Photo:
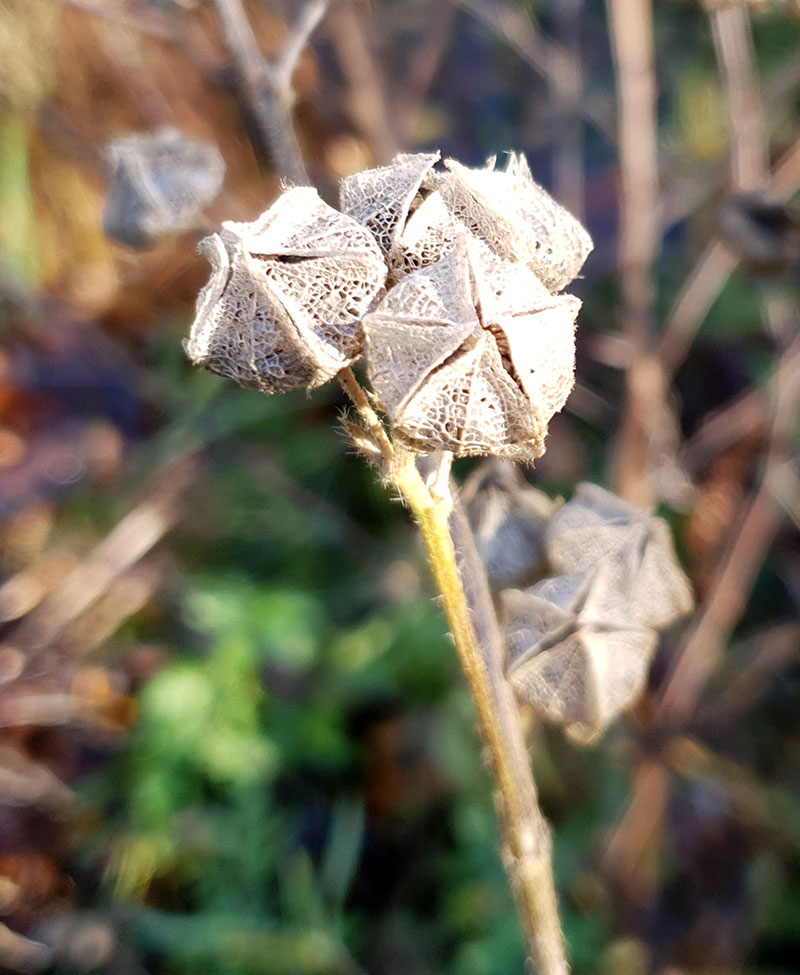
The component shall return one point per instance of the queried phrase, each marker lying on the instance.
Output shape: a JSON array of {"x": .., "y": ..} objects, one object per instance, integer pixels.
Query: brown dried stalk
[{"x": 631, "y": 27}]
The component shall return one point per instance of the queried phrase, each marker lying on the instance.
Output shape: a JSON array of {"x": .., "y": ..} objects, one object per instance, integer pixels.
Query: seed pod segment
[
  {"x": 574, "y": 652},
  {"x": 287, "y": 294},
  {"x": 517, "y": 218},
  {"x": 597, "y": 524},
  {"x": 472, "y": 354},
  {"x": 382, "y": 198}
]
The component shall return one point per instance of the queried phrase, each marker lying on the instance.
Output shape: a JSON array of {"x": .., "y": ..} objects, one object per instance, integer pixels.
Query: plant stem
[{"x": 525, "y": 833}]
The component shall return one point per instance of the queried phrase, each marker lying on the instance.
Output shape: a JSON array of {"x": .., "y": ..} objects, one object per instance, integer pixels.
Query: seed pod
[
  {"x": 597, "y": 524},
  {"x": 574, "y": 652},
  {"x": 472, "y": 355},
  {"x": 508, "y": 519},
  {"x": 159, "y": 184},
  {"x": 287, "y": 295},
  {"x": 381, "y": 199},
  {"x": 518, "y": 219}
]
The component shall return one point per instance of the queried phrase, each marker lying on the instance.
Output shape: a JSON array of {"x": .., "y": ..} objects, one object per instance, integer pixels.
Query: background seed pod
[
  {"x": 472, "y": 355},
  {"x": 575, "y": 654},
  {"x": 159, "y": 183},
  {"x": 287, "y": 295},
  {"x": 579, "y": 643},
  {"x": 508, "y": 519},
  {"x": 597, "y": 524}
]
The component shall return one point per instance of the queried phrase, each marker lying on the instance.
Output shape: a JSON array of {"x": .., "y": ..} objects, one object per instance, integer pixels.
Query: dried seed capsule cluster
[
  {"x": 471, "y": 348},
  {"x": 579, "y": 640}
]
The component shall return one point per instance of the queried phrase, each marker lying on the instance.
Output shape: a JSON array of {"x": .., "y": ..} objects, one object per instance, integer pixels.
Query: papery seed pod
[
  {"x": 428, "y": 235},
  {"x": 382, "y": 198},
  {"x": 472, "y": 355},
  {"x": 287, "y": 295},
  {"x": 597, "y": 524},
  {"x": 159, "y": 184},
  {"x": 518, "y": 219},
  {"x": 508, "y": 519},
  {"x": 574, "y": 652}
]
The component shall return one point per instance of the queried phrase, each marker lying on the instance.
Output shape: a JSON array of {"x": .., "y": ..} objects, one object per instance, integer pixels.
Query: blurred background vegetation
[{"x": 233, "y": 734}]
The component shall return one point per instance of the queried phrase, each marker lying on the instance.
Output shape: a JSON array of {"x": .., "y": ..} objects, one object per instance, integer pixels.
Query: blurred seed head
[
  {"x": 508, "y": 519},
  {"x": 159, "y": 184},
  {"x": 580, "y": 641}
]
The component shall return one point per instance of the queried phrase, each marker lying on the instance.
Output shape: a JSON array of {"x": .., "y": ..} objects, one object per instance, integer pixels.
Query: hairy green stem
[
  {"x": 467, "y": 604},
  {"x": 461, "y": 580}
]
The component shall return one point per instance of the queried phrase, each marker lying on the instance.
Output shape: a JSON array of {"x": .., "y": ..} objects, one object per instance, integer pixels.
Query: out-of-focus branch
[
  {"x": 631, "y": 28},
  {"x": 424, "y": 64},
  {"x": 24, "y": 782},
  {"x": 268, "y": 85},
  {"x": 135, "y": 535},
  {"x": 733, "y": 40},
  {"x": 544, "y": 56},
  {"x": 566, "y": 86},
  {"x": 23, "y": 954},
  {"x": 736, "y": 574},
  {"x": 684, "y": 192},
  {"x": 150, "y": 22},
  {"x": 746, "y": 415},
  {"x": 713, "y": 269},
  {"x": 365, "y": 96},
  {"x": 775, "y": 649}
]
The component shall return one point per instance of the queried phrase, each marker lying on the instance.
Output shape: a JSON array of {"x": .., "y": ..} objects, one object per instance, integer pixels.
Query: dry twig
[
  {"x": 631, "y": 29},
  {"x": 365, "y": 96},
  {"x": 751, "y": 539},
  {"x": 268, "y": 84}
]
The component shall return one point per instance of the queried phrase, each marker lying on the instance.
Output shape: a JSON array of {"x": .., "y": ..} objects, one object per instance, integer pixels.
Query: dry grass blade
[
  {"x": 736, "y": 574},
  {"x": 132, "y": 538}
]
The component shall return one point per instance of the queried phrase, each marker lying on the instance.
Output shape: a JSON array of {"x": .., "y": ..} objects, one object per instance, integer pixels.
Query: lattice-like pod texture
[
  {"x": 574, "y": 652},
  {"x": 597, "y": 524},
  {"x": 472, "y": 355},
  {"x": 381, "y": 199},
  {"x": 518, "y": 219},
  {"x": 508, "y": 519},
  {"x": 287, "y": 295},
  {"x": 428, "y": 235},
  {"x": 159, "y": 183}
]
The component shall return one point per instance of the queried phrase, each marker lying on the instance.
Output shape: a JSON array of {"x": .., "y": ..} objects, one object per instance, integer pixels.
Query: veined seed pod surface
[
  {"x": 517, "y": 218},
  {"x": 575, "y": 654},
  {"x": 287, "y": 295},
  {"x": 472, "y": 354}
]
